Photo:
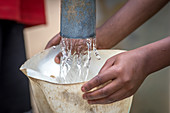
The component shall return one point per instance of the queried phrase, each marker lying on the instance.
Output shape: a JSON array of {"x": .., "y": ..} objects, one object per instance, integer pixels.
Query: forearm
[
  {"x": 126, "y": 20},
  {"x": 156, "y": 55}
]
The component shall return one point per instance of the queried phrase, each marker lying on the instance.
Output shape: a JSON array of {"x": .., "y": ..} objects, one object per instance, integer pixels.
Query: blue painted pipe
[{"x": 78, "y": 19}]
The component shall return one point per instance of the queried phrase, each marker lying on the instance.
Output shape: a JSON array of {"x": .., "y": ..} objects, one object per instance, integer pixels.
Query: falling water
[{"x": 75, "y": 60}]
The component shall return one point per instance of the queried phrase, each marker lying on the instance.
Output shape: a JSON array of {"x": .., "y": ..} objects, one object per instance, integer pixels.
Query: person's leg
[
  {"x": 1, "y": 91},
  {"x": 16, "y": 86}
]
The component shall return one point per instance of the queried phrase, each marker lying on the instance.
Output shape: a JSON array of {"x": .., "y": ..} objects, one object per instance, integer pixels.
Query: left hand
[
  {"x": 126, "y": 71},
  {"x": 78, "y": 45},
  {"x": 53, "y": 42}
]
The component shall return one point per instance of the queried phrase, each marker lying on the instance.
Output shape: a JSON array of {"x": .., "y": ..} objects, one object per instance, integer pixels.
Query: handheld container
[{"x": 54, "y": 97}]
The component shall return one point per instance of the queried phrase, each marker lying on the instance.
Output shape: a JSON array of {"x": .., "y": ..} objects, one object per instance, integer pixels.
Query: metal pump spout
[{"x": 78, "y": 19}]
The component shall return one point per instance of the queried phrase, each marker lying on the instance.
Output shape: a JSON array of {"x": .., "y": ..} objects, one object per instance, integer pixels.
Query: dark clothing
[{"x": 14, "y": 92}]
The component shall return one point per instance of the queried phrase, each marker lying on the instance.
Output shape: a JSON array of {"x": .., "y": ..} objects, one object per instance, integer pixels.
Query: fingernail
[
  {"x": 57, "y": 60},
  {"x": 84, "y": 97},
  {"x": 83, "y": 89}
]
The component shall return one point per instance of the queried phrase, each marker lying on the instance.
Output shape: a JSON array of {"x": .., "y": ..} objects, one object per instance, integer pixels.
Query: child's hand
[
  {"x": 53, "y": 42},
  {"x": 126, "y": 71}
]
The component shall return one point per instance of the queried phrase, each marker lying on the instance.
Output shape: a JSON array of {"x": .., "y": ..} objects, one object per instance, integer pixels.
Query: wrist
[
  {"x": 142, "y": 56},
  {"x": 156, "y": 55},
  {"x": 103, "y": 38},
  {"x": 99, "y": 37}
]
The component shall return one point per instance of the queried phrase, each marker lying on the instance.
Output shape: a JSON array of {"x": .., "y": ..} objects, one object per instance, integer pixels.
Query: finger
[
  {"x": 103, "y": 92},
  {"x": 54, "y": 41},
  {"x": 99, "y": 79},
  {"x": 107, "y": 64},
  {"x": 117, "y": 96},
  {"x": 57, "y": 58}
]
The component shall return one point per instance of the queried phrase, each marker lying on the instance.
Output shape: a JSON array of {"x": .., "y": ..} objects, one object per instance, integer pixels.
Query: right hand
[{"x": 125, "y": 71}]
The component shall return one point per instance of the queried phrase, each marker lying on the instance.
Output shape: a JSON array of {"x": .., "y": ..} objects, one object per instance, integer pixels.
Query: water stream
[{"x": 75, "y": 60}]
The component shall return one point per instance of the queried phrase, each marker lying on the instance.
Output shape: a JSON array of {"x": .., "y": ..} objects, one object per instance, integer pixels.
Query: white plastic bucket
[{"x": 51, "y": 97}]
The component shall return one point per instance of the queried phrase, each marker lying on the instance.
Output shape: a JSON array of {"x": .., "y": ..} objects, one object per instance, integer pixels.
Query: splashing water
[{"x": 75, "y": 60}]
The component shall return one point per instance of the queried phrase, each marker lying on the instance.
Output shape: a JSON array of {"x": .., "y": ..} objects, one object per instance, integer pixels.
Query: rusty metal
[{"x": 78, "y": 18}]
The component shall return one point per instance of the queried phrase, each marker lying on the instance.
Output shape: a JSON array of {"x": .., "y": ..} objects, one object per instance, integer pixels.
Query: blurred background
[{"x": 153, "y": 95}]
